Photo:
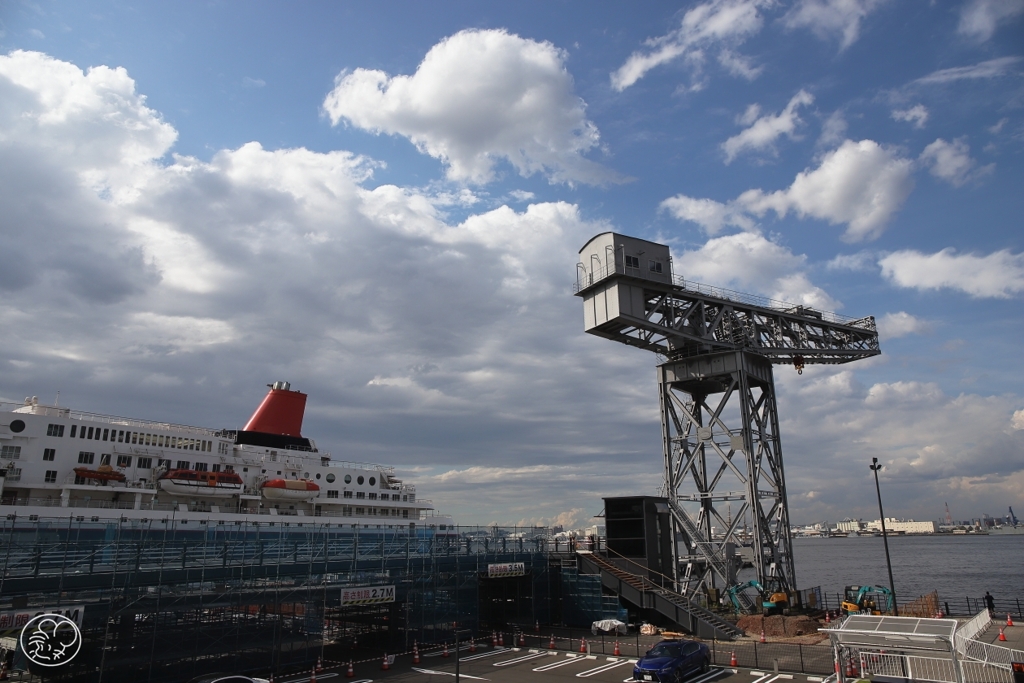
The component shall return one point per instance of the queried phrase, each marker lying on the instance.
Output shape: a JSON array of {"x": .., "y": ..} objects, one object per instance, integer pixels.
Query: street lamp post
[{"x": 885, "y": 536}]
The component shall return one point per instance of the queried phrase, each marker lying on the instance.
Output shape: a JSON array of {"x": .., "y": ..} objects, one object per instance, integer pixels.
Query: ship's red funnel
[{"x": 280, "y": 413}]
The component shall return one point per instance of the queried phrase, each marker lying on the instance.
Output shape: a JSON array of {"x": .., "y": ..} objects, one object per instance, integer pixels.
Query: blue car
[{"x": 671, "y": 661}]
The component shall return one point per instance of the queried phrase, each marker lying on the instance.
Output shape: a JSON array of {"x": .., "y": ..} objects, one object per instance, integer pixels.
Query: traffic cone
[
  {"x": 3, "y": 675},
  {"x": 1009, "y": 620},
  {"x": 444, "y": 652},
  {"x": 312, "y": 675},
  {"x": 827, "y": 617},
  {"x": 617, "y": 652},
  {"x": 583, "y": 645},
  {"x": 415, "y": 652},
  {"x": 732, "y": 659},
  {"x": 551, "y": 643},
  {"x": 494, "y": 639},
  {"x": 1002, "y": 636},
  {"x": 536, "y": 626},
  {"x": 762, "y": 637},
  {"x": 319, "y": 664},
  {"x": 849, "y": 666},
  {"x": 472, "y": 644},
  {"x": 501, "y": 640},
  {"x": 522, "y": 639},
  {"x": 351, "y": 672},
  {"x": 3, "y": 671}
]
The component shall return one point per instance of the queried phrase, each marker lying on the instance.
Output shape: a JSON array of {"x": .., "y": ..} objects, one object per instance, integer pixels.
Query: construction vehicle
[
  {"x": 867, "y": 600},
  {"x": 771, "y": 602}
]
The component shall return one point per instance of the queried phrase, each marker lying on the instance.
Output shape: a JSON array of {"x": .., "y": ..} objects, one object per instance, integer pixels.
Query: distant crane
[
  {"x": 719, "y": 418},
  {"x": 949, "y": 517}
]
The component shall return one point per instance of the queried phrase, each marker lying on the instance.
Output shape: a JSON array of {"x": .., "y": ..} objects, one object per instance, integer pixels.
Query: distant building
[
  {"x": 906, "y": 526},
  {"x": 851, "y": 525}
]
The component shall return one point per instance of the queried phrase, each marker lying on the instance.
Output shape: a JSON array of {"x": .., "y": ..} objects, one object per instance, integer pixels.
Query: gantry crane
[{"x": 719, "y": 416}]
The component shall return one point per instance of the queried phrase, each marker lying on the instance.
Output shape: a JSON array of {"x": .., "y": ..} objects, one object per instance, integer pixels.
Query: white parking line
[
  {"x": 446, "y": 673},
  {"x": 715, "y": 673},
  {"x": 319, "y": 677},
  {"x": 604, "y": 667},
  {"x": 571, "y": 658},
  {"x": 516, "y": 660},
  {"x": 499, "y": 651}
]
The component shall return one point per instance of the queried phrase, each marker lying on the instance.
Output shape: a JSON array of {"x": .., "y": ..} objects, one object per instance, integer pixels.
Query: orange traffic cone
[
  {"x": 522, "y": 639},
  {"x": 551, "y": 643},
  {"x": 501, "y": 640},
  {"x": 1009, "y": 620},
  {"x": 762, "y": 637},
  {"x": 583, "y": 645},
  {"x": 617, "y": 652},
  {"x": 319, "y": 664},
  {"x": 312, "y": 675},
  {"x": 828, "y": 617},
  {"x": 1002, "y": 636},
  {"x": 384, "y": 665},
  {"x": 351, "y": 672},
  {"x": 494, "y": 639},
  {"x": 732, "y": 659},
  {"x": 849, "y": 667},
  {"x": 415, "y": 652},
  {"x": 472, "y": 644},
  {"x": 4, "y": 668},
  {"x": 444, "y": 652},
  {"x": 536, "y": 626}
]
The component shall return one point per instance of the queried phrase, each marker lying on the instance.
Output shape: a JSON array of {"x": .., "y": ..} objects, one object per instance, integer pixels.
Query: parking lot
[{"x": 511, "y": 665}]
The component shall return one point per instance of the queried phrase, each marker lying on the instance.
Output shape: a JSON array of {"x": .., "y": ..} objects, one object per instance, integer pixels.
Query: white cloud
[
  {"x": 860, "y": 184},
  {"x": 861, "y": 261},
  {"x": 712, "y": 216},
  {"x": 1017, "y": 420},
  {"x": 952, "y": 162},
  {"x": 479, "y": 96},
  {"x": 980, "y": 18},
  {"x": 250, "y": 82},
  {"x": 747, "y": 261},
  {"x": 764, "y": 131},
  {"x": 894, "y": 325},
  {"x": 723, "y": 23},
  {"x": 996, "y": 275},
  {"x": 739, "y": 65},
  {"x": 917, "y": 115},
  {"x": 833, "y": 131},
  {"x": 827, "y": 18},
  {"x": 993, "y": 68}
]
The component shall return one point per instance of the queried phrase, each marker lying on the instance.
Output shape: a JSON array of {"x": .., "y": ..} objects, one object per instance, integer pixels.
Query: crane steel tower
[{"x": 719, "y": 417}]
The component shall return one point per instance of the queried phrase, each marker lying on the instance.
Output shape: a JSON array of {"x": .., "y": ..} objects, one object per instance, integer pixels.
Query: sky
[{"x": 383, "y": 203}]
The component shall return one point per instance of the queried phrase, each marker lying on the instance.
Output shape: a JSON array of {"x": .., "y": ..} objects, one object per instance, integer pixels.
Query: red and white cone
[
  {"x": 319, "y": 664},
  {"x": 732, "y": 659},
  {"x": 501, "y": 640},
  {"x": 1002, "y": 636},
  {"x": 312, "y": 675},
  {"x": 849, "y": 667},
  {"x": 444, "y": 652},
  {"x": 494, "y": 639},
  {"x": 1009, "y": 619},
  {"x": 617, "y": 652},
  {"x": 536, "y": 626},
  {"x": 522, "y": 639},
  {"x": 762, "y": 637},
  {"x": 415, "y": 652},
  {"x": 583, "y": 645},
  {"x": 384, "y": 664},
  {"x": 551, "y": 643},
  {"x": 472, "y": 644},
  {"x": 828, "y": 618},
  {"x": 351, "y": 672},
  {"x": 4, "y": 668}
]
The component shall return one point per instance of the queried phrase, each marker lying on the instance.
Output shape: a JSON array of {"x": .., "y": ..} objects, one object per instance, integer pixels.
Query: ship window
[
  {"x": 51, "y": 477},
  {"x": 348, "y": 494},
  {"x": 348, "y": 478},
  {"x": 373, "y": 496},
  {"x": 79, "y": 481},
  {"x": 279, "y": 473},
  {"x": 135, "y": 437},
  {"x": 359, "y": 511},
  {"x": 124, "y": 461},
  {"x": 86, "y": 458},
  {"x": 359, "y": 480},
  {"x": 360, "y": 494},
  {"x": 230, "y": 468},
  {"x": 74, "y": 428},
  {"x": 90, "y": 433},
  {"x": 332, "y": 494},
  {"x": 412, "y": 498},
  {"x": 216, "y": 467},
  {"x": 405, "y": 514},
  {"x": 106, "y": 432},
  {"x": 55, "y": 430},
  {"x": 104, "y": 458},
  {"x": 202, "y": 466},
  {"x": 182, "y": 465},
  {"x": 404, "y": 498},
  {"x": 17, "y": 426},
  {"x": 223, "y": 448},
  {"x": 120, "y": 436},
  {"x": 144, "y": 463},
  {"x": 346, "y": 511},
  {"x": 49, "y": 453},
  {"x": 373, "y": 481},
  {"x": 11, "y": 452},
  {"x": 317, "y": 475},
  {"x": 330, "y": 478}
]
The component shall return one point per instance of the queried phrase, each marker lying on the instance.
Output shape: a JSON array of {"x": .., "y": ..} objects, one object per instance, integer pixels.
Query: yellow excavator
[
  {"x": 867, "y": 600},
  {"x": 771, "y": 603}
]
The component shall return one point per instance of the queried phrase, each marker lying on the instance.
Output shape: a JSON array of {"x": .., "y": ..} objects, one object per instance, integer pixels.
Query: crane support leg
[{"x": 720, "y": 433}]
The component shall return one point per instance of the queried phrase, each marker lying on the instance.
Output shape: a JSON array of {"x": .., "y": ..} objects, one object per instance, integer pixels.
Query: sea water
[{"x": 958, "y": 567}]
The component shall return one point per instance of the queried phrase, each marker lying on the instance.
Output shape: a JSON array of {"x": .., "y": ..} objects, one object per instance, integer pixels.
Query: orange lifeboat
[
  {"x": 104, "y": 473},
  {"x": 290, "y": 489}
]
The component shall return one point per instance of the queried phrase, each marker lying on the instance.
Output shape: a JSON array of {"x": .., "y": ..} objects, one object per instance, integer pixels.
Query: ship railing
[{"x": 56, "y": 411}]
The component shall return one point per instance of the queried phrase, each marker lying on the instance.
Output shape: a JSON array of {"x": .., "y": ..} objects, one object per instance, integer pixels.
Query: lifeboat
[
  {"x": 290, "y": 489},
  {"x": 205, "y": 484},
  {"x": 104, "y": 473}
]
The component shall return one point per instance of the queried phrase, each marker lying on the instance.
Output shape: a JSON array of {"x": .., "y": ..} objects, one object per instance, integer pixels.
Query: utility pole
[{"x": 885, "y": 536}]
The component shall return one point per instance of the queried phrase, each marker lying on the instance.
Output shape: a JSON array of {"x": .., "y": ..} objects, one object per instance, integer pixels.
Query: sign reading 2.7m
[
  {"x": 367, "y": 595},
  {"x": 506, "y": 569}
]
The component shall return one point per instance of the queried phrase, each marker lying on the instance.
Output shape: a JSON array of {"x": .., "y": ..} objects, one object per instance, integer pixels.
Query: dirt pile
[{"x": 777, "y": 627}]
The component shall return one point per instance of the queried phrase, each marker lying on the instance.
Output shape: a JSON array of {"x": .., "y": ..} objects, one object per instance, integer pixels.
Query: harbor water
[{"x": 957, "y": 567}]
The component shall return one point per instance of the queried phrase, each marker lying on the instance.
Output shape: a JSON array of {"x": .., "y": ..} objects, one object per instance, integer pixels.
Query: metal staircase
[{"x": 643, "y": 592}]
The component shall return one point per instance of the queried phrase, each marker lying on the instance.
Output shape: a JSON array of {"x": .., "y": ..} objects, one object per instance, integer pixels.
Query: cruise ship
[{"x": 60, "y": 462}]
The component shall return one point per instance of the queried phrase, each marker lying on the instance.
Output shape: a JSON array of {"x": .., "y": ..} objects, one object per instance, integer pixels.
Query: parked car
[{"x": 671, "y": 661}]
